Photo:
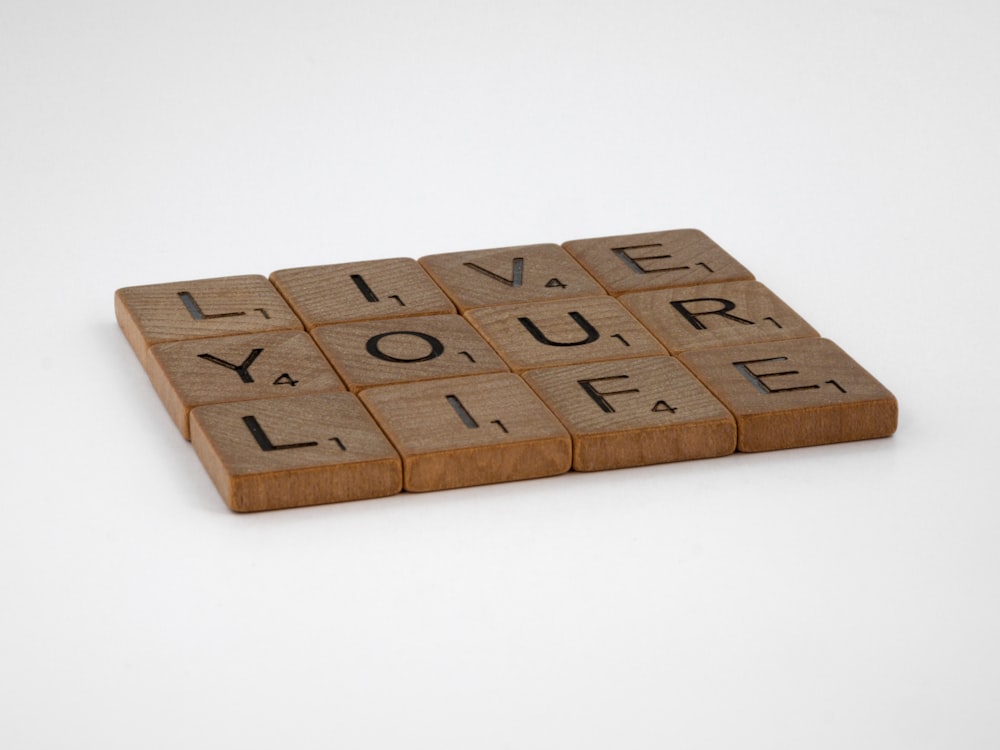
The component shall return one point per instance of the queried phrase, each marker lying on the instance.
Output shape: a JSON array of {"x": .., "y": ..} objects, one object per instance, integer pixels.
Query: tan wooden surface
[
  {"x": 478, "y": 278},
  {"x": 366, "y": 290},
  {"x": 461, "y": 432},
  {"x": 187, "y": 374},
  {"x": 656, "y": 260},
  {"x": 790, "y": 394},
  {"x": 547, "y": 334},
  {"x": 400, "y": 350},
  {"x": 308, "y": 450},
  {"x": 711, "y": 315}
]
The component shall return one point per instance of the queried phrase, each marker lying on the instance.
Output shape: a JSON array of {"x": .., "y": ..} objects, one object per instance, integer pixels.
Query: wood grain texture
[
  {"x": 478, "y": 278},
  {"x": 712, "y": 315},
  {"x": 549, "y": 334},
  {"x": 157, "y": 313},
  {"x": 187, "y": 374},
  {"x": 656, "y": 260},
  {"x": 290, "y": 452},
  {"x": 635, "y": 412},
  {"x": 365, "y": 290},
  {"x": 461, "y": 432},
  {"x": 400, "y": 350},
  {"x": 791, "y": 394}
]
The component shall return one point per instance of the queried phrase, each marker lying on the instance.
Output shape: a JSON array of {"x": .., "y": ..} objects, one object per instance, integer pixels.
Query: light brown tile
[
  {"x": 193, "y": 373},
  {"x": 711, "y": 315},
  {"x": 460, "y": 432},
  {"x": 790, "y": 394},
  {"x": 656, "y": 260},
  {"x": 289, "y": 452},
  {"x": 505, "y": 275},
  {"x": 365, "y": 290},
  {"x": 635, "y": 412},
  {"x": 548, "y": 334}
]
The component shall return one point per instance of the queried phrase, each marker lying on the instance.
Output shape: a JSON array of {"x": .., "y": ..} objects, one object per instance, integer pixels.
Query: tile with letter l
[
  {"x": 635, "y": 412},
  {"x": 157, "y": 313},
  {"x": 363, "y": 290},
  {"x": 460, "y": 432},
  {"x": 193, "y": 373},
  {"x": 296, "y": 451},
  {"x": 791, "y": 394},
  {"x": 563, "y": 332},
  {"x": 400, "y": 350},
  {"x": 656, "y": 260},
  {"x": 505, "y": 275},
  {"x": 710, "y": 315}
]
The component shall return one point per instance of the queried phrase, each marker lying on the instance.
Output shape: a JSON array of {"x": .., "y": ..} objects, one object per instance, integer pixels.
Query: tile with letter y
[
  {"x": 791, "y": 394},
  {"x": 460, "y": 432},
  {"x": 193, "y": 373},
  {"x": 296, "y": 451},
  {"x": 635, "y": 412}
]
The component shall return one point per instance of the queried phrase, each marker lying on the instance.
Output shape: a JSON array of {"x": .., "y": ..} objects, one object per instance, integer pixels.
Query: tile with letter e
[
  {"x": 461, "y": 432},
  {"x": 364, "y": 290},
  {"x": 157, "y": 313},
  {"x": 711, "y": 315},
  {"x": 400, "y": 350},
  {"x": 563, "y": 332},
  {"x": 656, "y": 260},
  {"x": 193, "y": 373},
  {"x": 290, "y": 452},
  {"x": 790, "y": 394},
  {"x": 505, "y": 275},
  {"x": 635, "y": 412}
]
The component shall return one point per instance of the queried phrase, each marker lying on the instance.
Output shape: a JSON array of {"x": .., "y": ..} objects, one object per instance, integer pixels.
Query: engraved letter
[
  {"x": 541, "y": 338},
  {"x": 598, "y": 396},
  {"x": 516, "y": 272},
  {"x": 243, "y": 370},
  {"x": 635, "y": 265},
  {"x": 757, "y": 378},
  {"x": 692, "y": 317},
  {"x": 437, "y": 348}
]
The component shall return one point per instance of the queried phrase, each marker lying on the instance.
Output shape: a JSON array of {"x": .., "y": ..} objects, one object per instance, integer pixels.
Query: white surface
[{"x": 834, "y": 597}]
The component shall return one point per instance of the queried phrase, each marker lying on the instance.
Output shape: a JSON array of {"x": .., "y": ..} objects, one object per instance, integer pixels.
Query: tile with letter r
[
  {"x": 289, "y": 452},
  {"x": 193, "y": 373},
  {"x": 505, "y": 275},
  {"x": 656, "y": 260},
  {"x": 460, "y": 432},
  {"x": 363, "y": 290},
  {"x": 563, "y": 332},
  {"x": 399, "y": 350},
  {"x": 157, "y": 313},
  {"x": 635, "y": 412},
  {"x": 711, "y": 315},
  {"x": 791, "y": 394}
]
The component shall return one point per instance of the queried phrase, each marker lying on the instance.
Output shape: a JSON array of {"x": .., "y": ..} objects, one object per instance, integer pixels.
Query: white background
[{"x": 834, "y": 597}]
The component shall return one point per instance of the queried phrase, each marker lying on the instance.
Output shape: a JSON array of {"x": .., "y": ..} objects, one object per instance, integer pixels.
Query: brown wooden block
[
  {"x": 656, "y": 260},
  {"x": 711, "y": 315},
  {"x": 401, "y": 350},
  {"x": 548, "y": 334},
  {"x": 157, "y": 313},
  {"x": 289, "y": 452},
  {"x": 790, "y": 394},
  {"x": 505, "y": 275},
  {"x": 635, "y": 412},
  {"x": 187, "y": 374},
  {"x": 460, "y": 432},
  {"x": 365, "y": 290}
]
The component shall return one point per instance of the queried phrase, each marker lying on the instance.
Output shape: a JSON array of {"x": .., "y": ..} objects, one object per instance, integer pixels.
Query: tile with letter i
[{"x": 290, "y": 452}]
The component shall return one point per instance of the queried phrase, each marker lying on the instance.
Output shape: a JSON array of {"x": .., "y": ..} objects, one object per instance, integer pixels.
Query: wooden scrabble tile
[
  {"x": 656, "y": 260},
  {"x": 790, "y": 394},
  {"x": 634, "y": 412},
  {"x": 193, "y": 373},
  {"x": 365, "y": 290},
  {"x": 711, "y": 315},
  {"x": 289, "y": 452},
  {"x": 460, "y": 432},
  {"x": 505, "y": 275},
  {"x": 400, "y": 350},
  {"x": 561, "y": 332},
  {"x": 157, "y": 313}
]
